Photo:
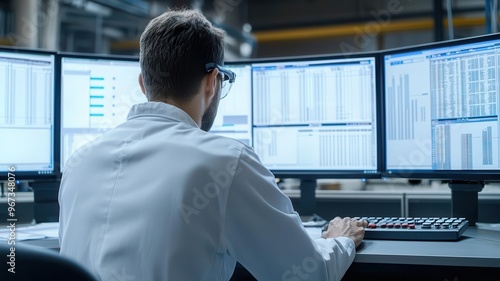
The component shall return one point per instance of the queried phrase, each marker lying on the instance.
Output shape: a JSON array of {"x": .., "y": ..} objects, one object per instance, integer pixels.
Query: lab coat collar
[{"x": 160, "y": 109}]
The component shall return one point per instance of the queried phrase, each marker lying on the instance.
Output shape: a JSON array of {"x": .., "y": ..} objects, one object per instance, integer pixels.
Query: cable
[
  {"x": 487, "y": 10},
  {"x": 494, "y": 17},
  {"x": 450, "y": 19}
]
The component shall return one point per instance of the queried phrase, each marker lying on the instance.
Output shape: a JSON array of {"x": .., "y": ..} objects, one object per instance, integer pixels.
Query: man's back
[
  {"x": 147, "y": 200},
  {"x": 160, "y": 199}
]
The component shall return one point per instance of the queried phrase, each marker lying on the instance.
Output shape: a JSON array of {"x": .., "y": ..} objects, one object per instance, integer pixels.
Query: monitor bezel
[
  {"x": 333, "y": 173},
  {"x": 467, "y": 175},
  {"x": 35, "y": 175}
]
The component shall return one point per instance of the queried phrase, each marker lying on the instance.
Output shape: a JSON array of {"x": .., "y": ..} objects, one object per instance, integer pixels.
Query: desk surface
[{"x": 479, "y": 246}]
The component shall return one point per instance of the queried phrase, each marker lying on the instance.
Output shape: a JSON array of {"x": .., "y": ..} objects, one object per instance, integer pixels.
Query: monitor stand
[
  {"x": 46, "y": 204},
  {"x": 307, "y": 202},
  {"x": 464, "y": 199}
]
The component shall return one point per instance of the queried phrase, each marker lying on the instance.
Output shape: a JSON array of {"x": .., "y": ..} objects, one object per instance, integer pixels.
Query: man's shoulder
[
  {"x": 219, "y": 146},
  {"x": 218, "y": 142}
]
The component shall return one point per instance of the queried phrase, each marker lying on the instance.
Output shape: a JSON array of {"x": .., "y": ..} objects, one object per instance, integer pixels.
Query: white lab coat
[{"x": 159, "y": 199}]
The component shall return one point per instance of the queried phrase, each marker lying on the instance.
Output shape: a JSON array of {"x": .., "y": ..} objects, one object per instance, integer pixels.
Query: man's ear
[
  {"x": 141, "y": 83},
  {"x": 211, "y": 84}
]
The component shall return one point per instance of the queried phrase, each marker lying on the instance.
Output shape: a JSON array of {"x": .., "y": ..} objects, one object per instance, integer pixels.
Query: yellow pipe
[
  {"x": 358, "y": 28},
  {"x": 335, "y": 30},
  {"x": 130, "y": 44},
  {"x": 5, "y": 42}
]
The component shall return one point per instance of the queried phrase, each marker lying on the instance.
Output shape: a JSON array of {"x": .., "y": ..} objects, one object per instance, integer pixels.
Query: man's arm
[{"x": 266, "y": 235}]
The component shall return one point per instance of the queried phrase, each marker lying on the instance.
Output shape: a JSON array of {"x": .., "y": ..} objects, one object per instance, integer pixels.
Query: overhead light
[
  {"x": 247, "y": 27},
  {"x": 246, "y": 49}
]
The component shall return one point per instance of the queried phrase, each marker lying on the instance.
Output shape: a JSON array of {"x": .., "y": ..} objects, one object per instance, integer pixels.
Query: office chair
[{"x": 37, "y": 263}]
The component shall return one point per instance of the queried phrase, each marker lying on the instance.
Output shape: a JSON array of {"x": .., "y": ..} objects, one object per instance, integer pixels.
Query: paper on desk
[
  {"x": 37, "y": 231},
  {"x": 48, "y": 229},
  {"x": 19, "y": 236}
]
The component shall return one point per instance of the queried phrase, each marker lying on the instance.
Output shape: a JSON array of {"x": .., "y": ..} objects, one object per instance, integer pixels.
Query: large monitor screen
[
  {"x": 234, "y": 116},
  {"x": 96, "y": 96},
  {"x": 441, "y": 109},
  {"x": 27, "y": 113},
  {"x": 317, "y": 117}
]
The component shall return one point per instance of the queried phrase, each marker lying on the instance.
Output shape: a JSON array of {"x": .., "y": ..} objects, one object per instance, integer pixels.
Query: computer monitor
[
  {"x": 97, "y": 93},
  {"x": 234, "y": 116},
  {"x": 441, "y": 116},
  {"x": 442, "y": 102},
  {"x": 27, "y": 133},
  {"x": 317, "y": 117}
]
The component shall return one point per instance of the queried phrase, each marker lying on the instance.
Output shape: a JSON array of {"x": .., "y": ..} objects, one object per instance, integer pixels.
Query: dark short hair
[{"x": 175, "y": 47}]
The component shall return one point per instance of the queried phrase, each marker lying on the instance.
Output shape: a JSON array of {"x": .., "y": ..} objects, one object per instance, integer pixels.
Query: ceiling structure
[{"x": 259, "y": 28}]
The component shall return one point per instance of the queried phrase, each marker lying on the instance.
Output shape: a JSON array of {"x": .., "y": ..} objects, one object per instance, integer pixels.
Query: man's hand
[{"x": 346, "y": 227}]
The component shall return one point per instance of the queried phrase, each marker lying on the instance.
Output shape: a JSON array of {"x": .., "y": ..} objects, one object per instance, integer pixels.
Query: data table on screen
[
  {"x": 316, "y": 115},
  {"x": 27, "y": 111},
  {"x": 442, "y": 107}
]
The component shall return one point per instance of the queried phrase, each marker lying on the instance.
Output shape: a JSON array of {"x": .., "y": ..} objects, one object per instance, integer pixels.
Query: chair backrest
[{"x": 28, "y": 262}]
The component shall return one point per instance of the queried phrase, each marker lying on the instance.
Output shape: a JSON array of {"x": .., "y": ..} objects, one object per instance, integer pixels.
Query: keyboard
[{"x": 407, "y": 228}]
